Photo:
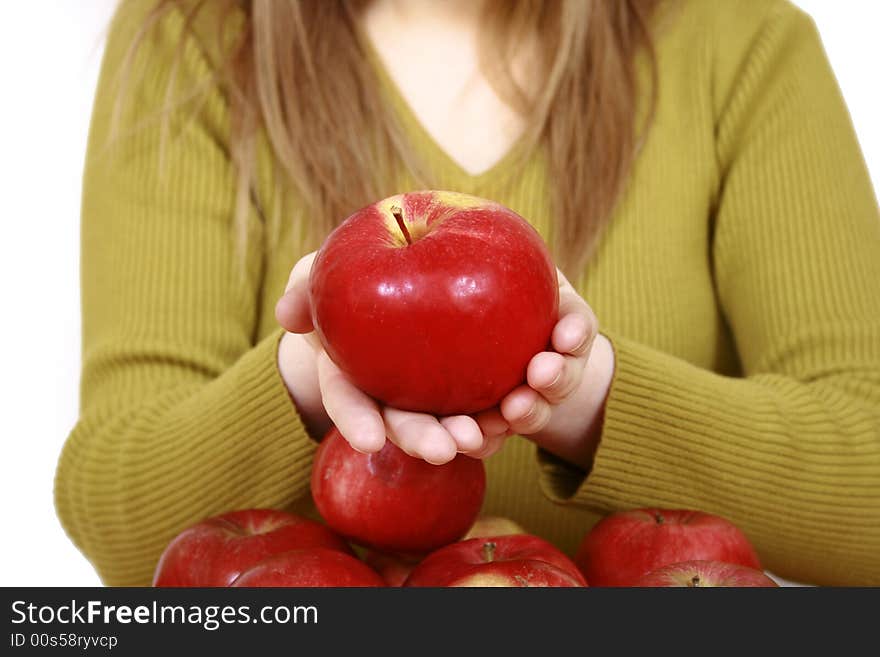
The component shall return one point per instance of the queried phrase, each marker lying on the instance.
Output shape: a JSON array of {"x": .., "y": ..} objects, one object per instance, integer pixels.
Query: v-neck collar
[{"x": 446, "y": 167}]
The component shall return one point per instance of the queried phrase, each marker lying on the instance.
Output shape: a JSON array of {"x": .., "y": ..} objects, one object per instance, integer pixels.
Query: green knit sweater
[{"x": 739, "y": 284}]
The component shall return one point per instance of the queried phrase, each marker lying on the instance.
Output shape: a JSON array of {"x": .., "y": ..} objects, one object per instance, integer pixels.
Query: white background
[{"x": 49, "y": 57}]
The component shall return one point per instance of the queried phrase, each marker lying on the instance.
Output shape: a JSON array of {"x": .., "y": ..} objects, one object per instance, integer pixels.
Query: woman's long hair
[{"x": 299, "y": 70}]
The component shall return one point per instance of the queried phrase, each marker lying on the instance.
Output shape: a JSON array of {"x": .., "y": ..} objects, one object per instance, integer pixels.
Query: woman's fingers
[
  {"x": 300, "y": 273},
  {"x": 577, "y": 325},
  {"x": 365, "y": 426},
  {"x": 355, "y": 414},
  {"x": 420, "y": 435},
  {"x": 574, "y": 333},
  {"x": 525, "y": 410},
  {"x": 292, "y": 310},
  {"x": 492, "y": 423},
  {"x": 490, "y": 445},
  {"x": 464, "y": 431},
  {"x": 555, "y": 376},
  {"x": 479, "y": 436}
]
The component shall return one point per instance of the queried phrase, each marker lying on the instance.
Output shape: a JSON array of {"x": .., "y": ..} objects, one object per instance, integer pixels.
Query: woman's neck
[{"x": 430, "y": 50}]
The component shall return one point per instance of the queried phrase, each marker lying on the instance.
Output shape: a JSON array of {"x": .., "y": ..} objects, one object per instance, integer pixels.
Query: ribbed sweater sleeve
[
  {"x": 183, "y": 412},
  {"x": 790, "y": 451}
]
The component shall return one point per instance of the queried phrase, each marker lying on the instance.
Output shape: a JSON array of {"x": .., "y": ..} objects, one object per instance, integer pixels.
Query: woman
[{"x": 692, "y": 165}]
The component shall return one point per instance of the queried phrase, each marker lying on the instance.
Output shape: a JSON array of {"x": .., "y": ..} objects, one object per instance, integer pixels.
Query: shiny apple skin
[
  {"x": 513, "y": 560},
  {"x": 529, "y": 573},
  {"x": 695, "y": 574},
  {"x": 393, "y": 502},
  {"x": 215, "y": 551},
  {"x": 622, "y": 547},
  {"x": 444, "y": 325},
  {"x": 316, "y": 567}
]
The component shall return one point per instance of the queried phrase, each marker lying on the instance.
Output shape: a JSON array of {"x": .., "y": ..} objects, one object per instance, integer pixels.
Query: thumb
[{"x": 293, "y": 310}]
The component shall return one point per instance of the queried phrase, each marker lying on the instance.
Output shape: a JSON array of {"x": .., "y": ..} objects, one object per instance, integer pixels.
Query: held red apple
[
  {"x": 315, "y": 567},
  {"x": 215, "y": 551},
  {"x": 393, "y": 502},
  {"x": 434, "y": 301},
  {"x": 705, "y": 574},
  {"x": 622, "y": 547},
  {"x": 503, "y": 561}
]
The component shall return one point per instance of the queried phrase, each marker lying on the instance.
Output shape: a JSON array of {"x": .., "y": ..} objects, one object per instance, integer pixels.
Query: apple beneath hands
[
  {"x": 393, "y": 502},
  {"x": 696, "y": 574},
  {"x": 625, "y": 545},
  {"x": 434, "y": 301},
  {"x": 520, "y": 560},
  {"x": 395, "y": 569},
  {"x": 216, "y": 550},
  {"x": 315, "y": 567}
]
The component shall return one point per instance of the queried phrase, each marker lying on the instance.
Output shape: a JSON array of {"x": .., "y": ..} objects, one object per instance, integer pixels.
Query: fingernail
[{"x": 582, "y": 346}]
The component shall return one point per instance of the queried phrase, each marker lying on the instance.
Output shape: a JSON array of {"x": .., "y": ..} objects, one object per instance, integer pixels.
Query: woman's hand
[
  {"x": 560, "y": 407},
  {"x": 546, "y": 407}
]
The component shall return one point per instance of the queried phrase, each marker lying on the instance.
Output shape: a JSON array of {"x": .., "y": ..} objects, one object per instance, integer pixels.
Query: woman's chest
[{"x": 651, "y": 278}]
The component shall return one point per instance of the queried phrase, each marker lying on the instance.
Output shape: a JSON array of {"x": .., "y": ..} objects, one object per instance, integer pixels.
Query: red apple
[
  {"x": 215, "y": 551},
  {"x": 315, "y": 567},
  {"x": 505, "y": 561},
  {"x": 488, "y": 526},
  {"x": 622, "y": 547},
  {"x": 393, "y": 502},
  {"x": 392, "y": 568},
  {"x": 434, "y": 301},
  {"x": 705, "y": 573}
]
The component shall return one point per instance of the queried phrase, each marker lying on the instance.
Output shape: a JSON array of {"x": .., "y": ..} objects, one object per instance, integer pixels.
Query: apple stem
[
  {"x": 695, "y": 581},
  {"x": 658, "y": 518},
  {"x": 398, "y": 216},
  {"x": 488, "y": 551}
]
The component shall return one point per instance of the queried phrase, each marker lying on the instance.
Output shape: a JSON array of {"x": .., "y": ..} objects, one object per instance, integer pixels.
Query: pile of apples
[
  {"x": 394, "y": 520},
  {"x": 435, "y": 302}
]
